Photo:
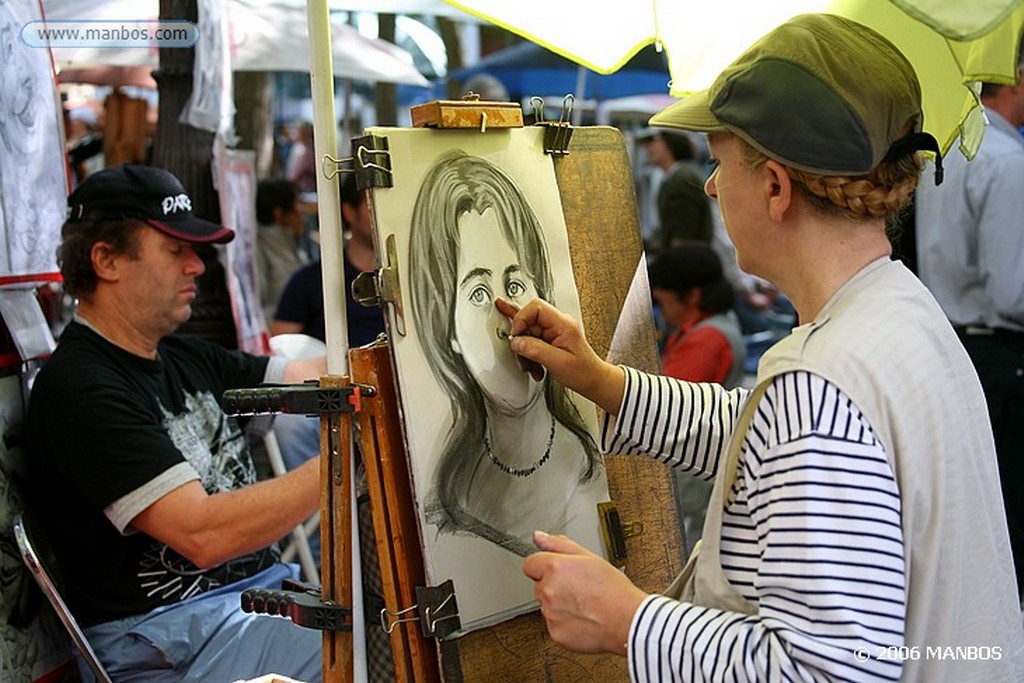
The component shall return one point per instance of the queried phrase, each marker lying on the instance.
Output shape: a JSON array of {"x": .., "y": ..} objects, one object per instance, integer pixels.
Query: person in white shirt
[{"x": 970, "y": 237}]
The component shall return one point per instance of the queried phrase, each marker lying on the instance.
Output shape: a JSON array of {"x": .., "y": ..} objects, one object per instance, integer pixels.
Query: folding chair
[
  {"x": 299, "y": 544},
  {"x": 42, "y": 565},
  {"x": 266, "y": 450}
]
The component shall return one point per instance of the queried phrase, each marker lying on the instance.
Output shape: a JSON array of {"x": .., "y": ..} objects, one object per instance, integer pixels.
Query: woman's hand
[
  {"x": 543, "y": 334},
  {"x": 587, "y": 603}
]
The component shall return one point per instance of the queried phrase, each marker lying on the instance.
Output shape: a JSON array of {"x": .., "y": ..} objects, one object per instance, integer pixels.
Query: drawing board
[{"x": 494, "y": 454}]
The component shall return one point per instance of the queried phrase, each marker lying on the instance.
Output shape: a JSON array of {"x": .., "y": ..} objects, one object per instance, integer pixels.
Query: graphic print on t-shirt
[{"x": 216, "y": 449}]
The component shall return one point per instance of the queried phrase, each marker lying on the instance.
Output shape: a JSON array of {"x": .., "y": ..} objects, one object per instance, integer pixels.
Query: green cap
[{"x": 820, "y": 93}]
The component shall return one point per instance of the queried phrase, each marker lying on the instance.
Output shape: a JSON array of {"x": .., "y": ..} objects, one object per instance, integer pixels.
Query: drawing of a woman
[{"x": 517, "y": 450}]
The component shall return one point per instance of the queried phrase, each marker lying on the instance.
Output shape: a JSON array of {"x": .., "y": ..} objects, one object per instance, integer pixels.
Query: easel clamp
[
  {"x": 615, "y": 532},
  {"x": 299, "y": 602},
  {"x": 372, "y": 289},
  {"x": 304, "y": 399}
]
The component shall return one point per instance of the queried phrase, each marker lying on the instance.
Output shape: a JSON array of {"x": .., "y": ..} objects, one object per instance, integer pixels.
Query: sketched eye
[
  {"x": 479, "y": 296},
  {"x": 515, "y": 288}
]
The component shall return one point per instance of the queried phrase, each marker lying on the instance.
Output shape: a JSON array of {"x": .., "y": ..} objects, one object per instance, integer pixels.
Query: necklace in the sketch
[{"x": 525, "y": 472}]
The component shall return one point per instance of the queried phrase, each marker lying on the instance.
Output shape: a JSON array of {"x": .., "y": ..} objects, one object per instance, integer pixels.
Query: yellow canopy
[{"x": 953, "y": 44}]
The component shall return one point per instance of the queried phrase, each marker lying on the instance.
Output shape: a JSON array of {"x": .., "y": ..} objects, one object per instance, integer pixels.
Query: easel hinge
[{"x": 383, "y": 285}]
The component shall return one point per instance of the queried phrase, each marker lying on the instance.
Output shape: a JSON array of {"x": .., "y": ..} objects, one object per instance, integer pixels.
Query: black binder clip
[
  {"x": 371, "y": 160},
  {"x": 436, "y": 610},
  {"x": 556, "y": 133}
]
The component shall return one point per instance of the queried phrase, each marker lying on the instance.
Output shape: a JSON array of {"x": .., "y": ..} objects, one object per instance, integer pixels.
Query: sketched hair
[{"x": 457, "y": 184}]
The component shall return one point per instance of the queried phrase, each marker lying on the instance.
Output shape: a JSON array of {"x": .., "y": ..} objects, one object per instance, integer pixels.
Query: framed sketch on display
[
  {"x": 33, "y": 171},
  {"x": 494, "y": 452}
]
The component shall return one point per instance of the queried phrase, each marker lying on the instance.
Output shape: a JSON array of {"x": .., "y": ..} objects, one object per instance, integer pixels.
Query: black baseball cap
[{"x": 150, "y": 194}]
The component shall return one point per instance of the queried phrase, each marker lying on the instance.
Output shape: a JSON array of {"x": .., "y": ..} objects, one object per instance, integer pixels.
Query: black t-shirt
[
  {"x": 302, "y": 301},
  {"x": 104, "y": 424}
]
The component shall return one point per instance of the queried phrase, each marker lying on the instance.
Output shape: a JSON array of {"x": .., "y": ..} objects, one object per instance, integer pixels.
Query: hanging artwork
[
  {"x": 211, "y": 107},
  {"x": 494, "y": 453},
  {"x": 236, "y": 191},
  {"x": 33, "y": 171}
]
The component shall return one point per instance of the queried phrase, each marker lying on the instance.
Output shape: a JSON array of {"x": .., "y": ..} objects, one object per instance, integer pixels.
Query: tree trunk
[
  {"x": 187, "y": 152},
  {"x": 385, "y": 94},
  {"x": 453, "y": 49},
  {"x": 254, "y": 119}
]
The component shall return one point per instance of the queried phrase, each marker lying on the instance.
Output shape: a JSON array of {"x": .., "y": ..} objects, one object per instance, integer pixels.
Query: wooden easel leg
[
  {"x": 336, "y": 532},
  {"x": 393, "y": 511}
]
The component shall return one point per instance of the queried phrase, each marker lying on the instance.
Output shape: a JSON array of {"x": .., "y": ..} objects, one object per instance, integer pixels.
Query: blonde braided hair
[{"x": 885, "y": 191}]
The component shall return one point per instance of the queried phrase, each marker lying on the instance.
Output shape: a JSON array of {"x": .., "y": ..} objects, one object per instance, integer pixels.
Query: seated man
[{"x": 144, "y": 486}]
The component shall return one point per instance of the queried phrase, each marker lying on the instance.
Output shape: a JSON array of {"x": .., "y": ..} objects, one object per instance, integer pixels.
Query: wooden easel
[
  {"x": 336, "y": 532},
  {"x": 595, "y": 184}
]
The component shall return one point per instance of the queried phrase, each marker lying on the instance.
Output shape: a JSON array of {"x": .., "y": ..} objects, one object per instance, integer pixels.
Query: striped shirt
[{"x": 812, "y": 536}]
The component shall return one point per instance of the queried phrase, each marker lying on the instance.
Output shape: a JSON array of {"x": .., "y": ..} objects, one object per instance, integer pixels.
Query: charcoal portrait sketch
[
  {"x": 518, "y": 449},
  {"x": 494, "y": 453}
]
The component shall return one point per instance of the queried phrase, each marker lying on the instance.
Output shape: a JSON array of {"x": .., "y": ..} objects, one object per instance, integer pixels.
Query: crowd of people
[{"x": 847, "y": 496}]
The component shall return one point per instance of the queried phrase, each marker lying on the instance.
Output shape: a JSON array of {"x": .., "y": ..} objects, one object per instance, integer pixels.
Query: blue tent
[{"x": 527, "y": 69}]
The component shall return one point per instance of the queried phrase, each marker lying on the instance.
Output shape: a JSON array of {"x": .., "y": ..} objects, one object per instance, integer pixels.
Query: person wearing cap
[
  {"x": 855, "y": 529},
  {"x": 146, "y": 489},
  {"x": 970, "y": 238}
]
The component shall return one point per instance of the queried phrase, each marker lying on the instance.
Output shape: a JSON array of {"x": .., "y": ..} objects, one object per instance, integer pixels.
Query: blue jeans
[{"x": 208, "y": 638}]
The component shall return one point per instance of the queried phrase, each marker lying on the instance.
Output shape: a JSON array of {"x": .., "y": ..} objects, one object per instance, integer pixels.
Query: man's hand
[
  {"x": 543, "y": 334},
  {"x": 588, "y": 604}
]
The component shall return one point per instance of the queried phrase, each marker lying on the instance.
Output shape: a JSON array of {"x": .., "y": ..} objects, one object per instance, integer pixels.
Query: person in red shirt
[
  {"x": 705, "y": 344},
  {"x": 695, "y": 300}
]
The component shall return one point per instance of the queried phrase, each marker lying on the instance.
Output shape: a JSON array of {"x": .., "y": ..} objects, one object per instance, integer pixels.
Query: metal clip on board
[
  {"x": 614, "y": 532},
  {"x": 557, "y": 134},
  {"x": 436, "y": 610}
]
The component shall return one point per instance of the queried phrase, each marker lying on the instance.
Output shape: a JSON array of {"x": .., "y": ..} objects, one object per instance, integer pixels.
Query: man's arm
[
  {"x": 298, "y": 371},
  {"x": 211, "y": 529}
]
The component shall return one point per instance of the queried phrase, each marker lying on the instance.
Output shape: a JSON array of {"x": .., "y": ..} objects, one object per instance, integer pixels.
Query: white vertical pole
[
  {"x": 332, "y": 266},
  {"x": 328, "y": 203}
]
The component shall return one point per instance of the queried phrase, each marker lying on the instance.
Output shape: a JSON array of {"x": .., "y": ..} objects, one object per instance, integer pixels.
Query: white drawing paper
[{"x": 494, "y": 453}]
